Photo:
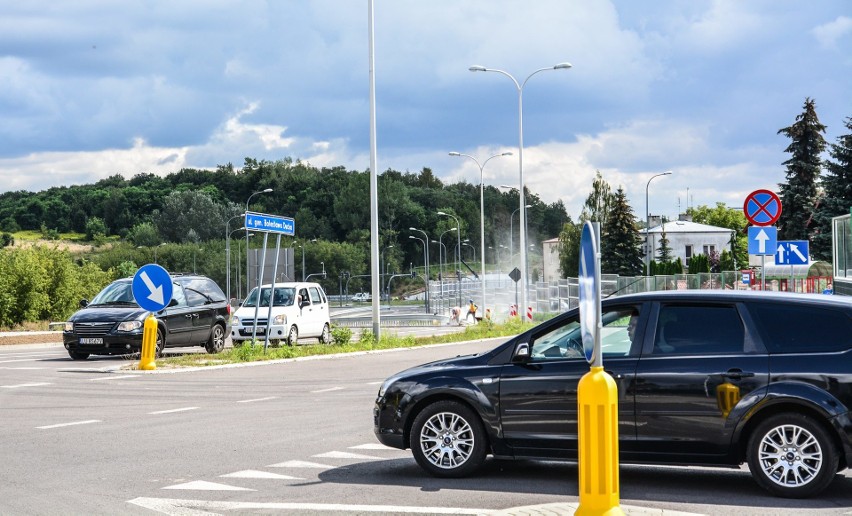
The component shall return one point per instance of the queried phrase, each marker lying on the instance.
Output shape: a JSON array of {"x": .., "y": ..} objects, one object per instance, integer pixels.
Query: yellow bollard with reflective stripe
[
  {"x": 149, "y": 344},
  {"x": 597, "y": 448}
]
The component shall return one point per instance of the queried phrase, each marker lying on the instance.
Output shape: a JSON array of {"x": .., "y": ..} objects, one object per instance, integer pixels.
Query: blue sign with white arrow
[
  {"x": 152, "y": 287},
  {"x": 792, "y": 252},
  {"x": 762, "y": 240}
]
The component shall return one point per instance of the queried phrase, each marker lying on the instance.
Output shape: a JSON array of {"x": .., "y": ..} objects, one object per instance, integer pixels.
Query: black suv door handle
[{"x": 737, "y": 374}]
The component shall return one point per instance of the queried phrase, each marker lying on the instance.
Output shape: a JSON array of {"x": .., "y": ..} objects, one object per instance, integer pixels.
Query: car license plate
[
  {"x": 261, "y": 331},
  {"x": 91, "y": 340}
]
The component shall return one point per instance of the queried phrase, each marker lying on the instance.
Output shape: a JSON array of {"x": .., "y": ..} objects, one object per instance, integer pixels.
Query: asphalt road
[{"x": 284, "y": 438}]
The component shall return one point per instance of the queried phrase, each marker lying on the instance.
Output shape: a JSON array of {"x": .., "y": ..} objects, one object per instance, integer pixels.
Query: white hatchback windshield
[{"x": 284, "y": 296}]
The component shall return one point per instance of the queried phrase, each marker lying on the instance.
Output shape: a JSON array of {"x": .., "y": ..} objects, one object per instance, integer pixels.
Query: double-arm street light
[
  {"x": 522, "y": 231},
  {"x": 458, "y": 247},
  {"x": 648, "y": 250},
  {"x": 441, "y": 242},
  {"x": 425, "y": 241},
  {"x": 481, "y": 212},
  {"x": 266, "y": 190},
  {"x": 425, "y": 268}
]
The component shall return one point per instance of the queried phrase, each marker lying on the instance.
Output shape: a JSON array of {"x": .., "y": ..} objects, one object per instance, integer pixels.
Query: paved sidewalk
[{"x": 567, "y": 509}]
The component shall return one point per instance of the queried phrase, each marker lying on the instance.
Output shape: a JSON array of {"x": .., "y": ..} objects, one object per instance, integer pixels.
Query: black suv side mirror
[
  {"x": 522, "y": 353},
  {"x": 84, "y": 303}
]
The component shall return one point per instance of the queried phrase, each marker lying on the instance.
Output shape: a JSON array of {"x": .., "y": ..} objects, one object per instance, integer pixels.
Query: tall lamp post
[
  {"x": 522, "y": 230},
  {"x": 425, "y": 241},
  {"x": 425, "y": 269},
  {"x": 481, "y": 213},
  {"x": 266, "y": 190},
  {"x": 473, "y": 249},
  {"x": 648, "y": 222},
  {"x": 458, "y": 247},
  {"x": 228, "y": 256},
  {"x": 383, "y": 270}
]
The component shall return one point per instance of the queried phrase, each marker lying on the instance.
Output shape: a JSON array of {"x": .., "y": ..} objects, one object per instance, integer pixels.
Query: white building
[{"x": 687, "y": 239}]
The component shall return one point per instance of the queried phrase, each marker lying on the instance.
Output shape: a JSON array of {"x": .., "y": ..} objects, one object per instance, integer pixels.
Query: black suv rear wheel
[
  {"x": 216, "y": 343},
  {"x": 792, "y": 456}
]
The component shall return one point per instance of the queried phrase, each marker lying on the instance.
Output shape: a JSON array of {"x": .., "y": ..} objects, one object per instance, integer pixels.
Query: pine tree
[
  {"x": 799, "y": 193},
  {"x": 836, "y": 196},
  {"x": 664, "y": 252},
  {"x": 621, "y": 251}
]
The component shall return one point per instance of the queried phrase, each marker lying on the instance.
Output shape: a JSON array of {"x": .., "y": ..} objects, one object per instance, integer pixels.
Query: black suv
[
  {"x": 704, "y": 378},
  {"x": 111, "y": 324}
]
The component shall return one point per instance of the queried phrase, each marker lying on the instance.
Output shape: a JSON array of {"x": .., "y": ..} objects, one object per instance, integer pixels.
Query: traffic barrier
[
  {"x": 513, "y": 310},
  {"x": 529, "y": 313}
]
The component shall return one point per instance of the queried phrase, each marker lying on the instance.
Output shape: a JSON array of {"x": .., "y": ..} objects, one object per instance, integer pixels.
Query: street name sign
[
  {"x": 152, "y": 287},
  {"x": 762, "y": 208},
  {"x": 270, "y": 223},
  {"x": 792, "y": 252},
  {"x": 762, "y": 240}
]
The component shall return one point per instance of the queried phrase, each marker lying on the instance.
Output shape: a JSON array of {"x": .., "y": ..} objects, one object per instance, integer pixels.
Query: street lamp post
[
  {"x": 228, "y": 256},
  {"x": 523, "y": 218},
  {"x": 648, "y": 223},
  {"x": 473, "y": 249},
  {"x": 425, "y": 269},
  {"x": 425, "y": 241},
  {"x": 458, "y": 247},
  {"x": 266, "y": 190},
  {"x": 481, "y": 213},
  {"x": 383, "y": 270},
  {"x": 512, "y": 231},
  {"x": 303, "y": 256}
]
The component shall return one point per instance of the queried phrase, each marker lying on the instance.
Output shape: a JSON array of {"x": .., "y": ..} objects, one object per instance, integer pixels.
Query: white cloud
[{"x": 828, "y": 34}]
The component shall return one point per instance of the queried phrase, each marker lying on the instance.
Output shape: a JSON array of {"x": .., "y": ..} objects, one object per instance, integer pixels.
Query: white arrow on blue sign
[
  {"x": 152, "y": 287},
  {"x": 792, "y": 252},
  {"x": 762, "y": 240}
]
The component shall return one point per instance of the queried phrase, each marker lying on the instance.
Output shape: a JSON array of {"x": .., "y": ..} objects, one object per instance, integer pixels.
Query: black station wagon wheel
[
  {"x": 792, "y": 456},
  {"x": 160, "y": 344},
  {"x": 448, "y": 440},
  {"x": 217, "y": 339},
  {"x": 293, "y": 336}
]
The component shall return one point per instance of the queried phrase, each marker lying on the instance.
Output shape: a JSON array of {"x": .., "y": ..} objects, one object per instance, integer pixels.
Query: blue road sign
[
  {"x": 589, "y": 292},
  {"x": 762, "y": 240},
  {"x": 792, "y": 252},
  {"x": 152, "y": 287},
  {"x": 270, "y": 223},
  {"x": 762, "y": 207}
]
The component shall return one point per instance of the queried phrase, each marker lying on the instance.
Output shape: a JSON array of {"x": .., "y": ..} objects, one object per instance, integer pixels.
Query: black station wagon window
[
  {"x": 565, "y": 341},
  {"x": 691, "y": 329},
  {"x": 788, "y": 329}
]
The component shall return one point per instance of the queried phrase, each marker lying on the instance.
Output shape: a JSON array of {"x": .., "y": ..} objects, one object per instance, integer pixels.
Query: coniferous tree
[
  {"x": 836, "y": 196},
  {"x": 569, "y": 249},
  {"x": 621, "y": 251},
  {"x": 664, "y": 252},
  {"x": 799, "y": 193}
]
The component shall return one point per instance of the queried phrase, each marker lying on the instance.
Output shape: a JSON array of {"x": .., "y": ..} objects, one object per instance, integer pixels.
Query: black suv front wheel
[
  {"x": 448, "y": 440},
  {"x": 792, "y": 456},
  {"x": 216, "y": 343}
]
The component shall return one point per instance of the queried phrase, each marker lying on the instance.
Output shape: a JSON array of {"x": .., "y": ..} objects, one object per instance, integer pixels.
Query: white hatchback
[{"x": 299, "y": 310}]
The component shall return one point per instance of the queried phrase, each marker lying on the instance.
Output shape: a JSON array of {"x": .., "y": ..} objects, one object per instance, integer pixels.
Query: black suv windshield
[
  {"x": 284, "y": 296},
  {"x": 117, "y": 293}
]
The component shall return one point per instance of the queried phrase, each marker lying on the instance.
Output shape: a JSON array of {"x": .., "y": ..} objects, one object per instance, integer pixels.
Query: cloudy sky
[{"x": 93, "y": 88}]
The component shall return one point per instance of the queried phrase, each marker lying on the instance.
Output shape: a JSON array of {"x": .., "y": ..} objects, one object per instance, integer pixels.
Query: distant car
[
  {"x": 299, "y": 310},
  {"x": 708, "y": 378},
  {"x": 361, "y": 296},
  {"x": 111, "y": 323}
]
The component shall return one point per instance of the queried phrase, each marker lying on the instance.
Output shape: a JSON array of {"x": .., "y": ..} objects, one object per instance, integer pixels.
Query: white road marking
[
  {"x": 375, "y": 383},
  {"x": 372, "y": 446},
  {"x": 22, "y": 368},
  {"x": 327, "y": 390},
  {"x": 24, "y": 385},
  {"x": 172, "y": 411},
  {"x": 19, "y": 360},
  {"x": 198, "y": 507},
  {"x": 258, "y": 399},
  {"x": 89, "y": 421},
  {"x": 300, "y": 464},
  {"x": 252, "y": 473},
  {"x": 112, "y": 377},
  {"x": 345, "y": 455},
  {"x": 201, "y": 485}
]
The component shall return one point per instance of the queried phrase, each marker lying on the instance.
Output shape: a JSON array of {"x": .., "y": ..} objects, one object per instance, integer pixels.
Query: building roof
[{"x": 684, "y": 226}]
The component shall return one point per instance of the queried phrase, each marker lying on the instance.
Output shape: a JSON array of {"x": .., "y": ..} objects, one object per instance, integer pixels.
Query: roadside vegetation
[{"x": 366, "y": 342}]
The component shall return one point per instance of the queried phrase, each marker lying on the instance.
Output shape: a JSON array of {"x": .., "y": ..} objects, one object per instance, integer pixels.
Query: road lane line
[
  {"x": 253, "y": 473},
  {"x": 173, "y": 506},
  {"x": 372, "y": 446},
  {"x": 112, "y": 377},
  {"x": 60, "y": 425},
  {"x": 345, "y": 455},
  {"x": 300, "y": 464},
  {"x": 330, "y": 389},
  {"x": 258, "y": 399},
  {"x": 172, "y": 411},
  {"x": 203, "y": 485},
  {"x": 24, "y": 385},
  {"x": 20, "y": 360},
  {"x": 22, "y": 368}
]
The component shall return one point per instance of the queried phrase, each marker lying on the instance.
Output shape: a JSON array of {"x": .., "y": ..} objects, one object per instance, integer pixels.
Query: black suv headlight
[
  {"x": 129, "y": 325},
  {"x": 69, "y": 326}
]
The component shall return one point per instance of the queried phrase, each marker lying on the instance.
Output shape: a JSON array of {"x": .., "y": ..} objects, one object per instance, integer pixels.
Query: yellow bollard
[
  {"x": 149, "y": 344},
  {"x": 597, "y": 447}
]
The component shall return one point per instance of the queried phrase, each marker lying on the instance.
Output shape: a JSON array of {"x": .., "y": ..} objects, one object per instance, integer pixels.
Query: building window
[
  {"x": 688, "y": 254},
  {"x": 708, "y": 249}
]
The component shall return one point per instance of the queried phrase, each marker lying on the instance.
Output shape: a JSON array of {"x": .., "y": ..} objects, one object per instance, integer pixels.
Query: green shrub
[{"x": 341, "y": 335}]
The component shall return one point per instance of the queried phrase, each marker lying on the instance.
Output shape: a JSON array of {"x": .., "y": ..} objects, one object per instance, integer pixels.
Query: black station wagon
[
  {"x": 111, "y": 324},
  {"x": 711, "y": 378}
]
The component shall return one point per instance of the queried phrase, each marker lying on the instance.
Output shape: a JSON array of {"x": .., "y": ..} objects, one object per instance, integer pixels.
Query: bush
[
  {"x": 367, "y": 338},
  {"x": 341, "y": 335}
]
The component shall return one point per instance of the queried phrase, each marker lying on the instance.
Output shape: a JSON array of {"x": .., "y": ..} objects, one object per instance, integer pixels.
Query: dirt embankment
[{"x": 33, "y": 338}]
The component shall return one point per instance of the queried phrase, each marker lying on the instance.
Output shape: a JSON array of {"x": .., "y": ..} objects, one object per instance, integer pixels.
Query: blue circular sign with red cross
[{"x": 762, "y": 207}]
